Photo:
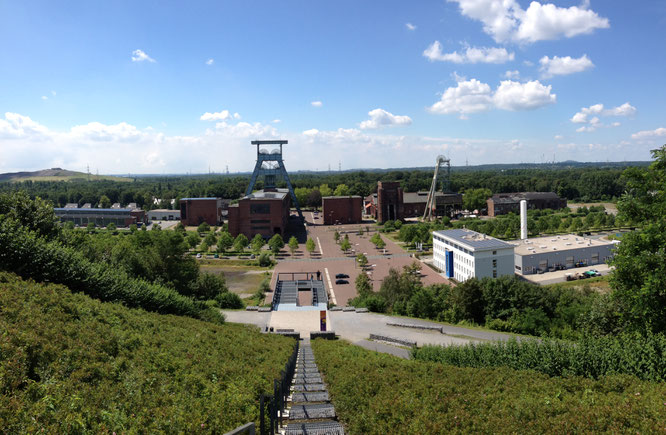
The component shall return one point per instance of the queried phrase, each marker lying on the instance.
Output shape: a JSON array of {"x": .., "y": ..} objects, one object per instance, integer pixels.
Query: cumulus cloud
[
  {"x": 559, "y": 66},
  {"x": 590, "y": 116},
  {"x": 140, "y": 56},
  {"x": 219, "y": 116},
  {"x": 649, "y": 134},
  {"x": 380, "y": 118},
  {"x": 16, "y": 126},
  {"x": 512, "y": 95},
  {"x": 469, "y": 55},
  {"x": 515, "y": 74},
  {"x": 316, "y": 104},
  {"x": 210, "y": 61},
  {"x": 410, "y": 26},
  {"x": 506, "y": 21},
  {"x": 471, "y": 96}
]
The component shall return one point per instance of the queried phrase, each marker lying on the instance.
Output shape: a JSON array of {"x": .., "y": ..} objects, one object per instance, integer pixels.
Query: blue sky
[{"x": 164, "y": 87}]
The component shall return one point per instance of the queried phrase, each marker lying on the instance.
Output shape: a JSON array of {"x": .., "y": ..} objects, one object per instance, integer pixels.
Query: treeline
[
  {"x": 141, "y": 269},
  {"x": 503, "y": 304},
  {"x": 585, "y": 184}
]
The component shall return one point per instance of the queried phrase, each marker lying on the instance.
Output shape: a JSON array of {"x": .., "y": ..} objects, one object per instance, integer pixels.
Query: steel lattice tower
[
  {"x": 270, "y": 165},
  {"x": 431, "y": 202}
]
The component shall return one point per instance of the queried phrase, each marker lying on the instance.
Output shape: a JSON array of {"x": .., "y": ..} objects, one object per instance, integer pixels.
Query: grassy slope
[
  {"x": 71, "y": 364},
  {"x": 377, "y": 393}
]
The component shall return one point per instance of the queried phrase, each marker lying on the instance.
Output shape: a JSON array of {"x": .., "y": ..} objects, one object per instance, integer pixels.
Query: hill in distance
[{"x": 56, "y": 174}]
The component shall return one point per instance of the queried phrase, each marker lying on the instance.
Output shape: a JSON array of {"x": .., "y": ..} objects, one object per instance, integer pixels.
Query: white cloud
[
  {"x": 16, "y": 126},
  {"x": 558, "y": 137},
  {"x": 648, "y": 134},
  {"x": 512, "y": 95},
  {"x": 381, "y": 118},
  {"x": 210, "y": 61},
  {"x": 506, "y": 21},
  {"x": 583, "y": 117},
  {"x": 219, "y": 116},
  {"x": 469, "y": 55},
  {"x": 316, "y": 104},
  {"x": 276, "y": 121},
  {"x": 471, "y": 96},
  {"x": 44, "y": 97},
  {"x": 559, "y": 66},
  {"x": 515, "y": 74},
  {"x": 410, "y": 26},
  {"x": 140, "y": 56}
]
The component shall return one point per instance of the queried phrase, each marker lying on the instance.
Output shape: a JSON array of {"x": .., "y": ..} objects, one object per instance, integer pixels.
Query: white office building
[
  {"x": 464, "y": 254},
  {"x": 164, "y": 215}
]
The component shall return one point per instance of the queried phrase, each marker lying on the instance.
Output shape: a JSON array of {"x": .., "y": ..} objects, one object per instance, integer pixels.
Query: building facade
[
  {"x": 261, "y": 212},
  {"x": 464, "y": 254},
  {"x": 195, "y": 211},
  {"x": 446, "y": 204},
  {"x": 164, "y": 215},
  {"x": 389, "y": 201},
  {"x": 504, "y": 203},
  {"x": 101, "y": 217},
  {"x": 342, "y": 210},
  {"x": 544, "y": 254}
]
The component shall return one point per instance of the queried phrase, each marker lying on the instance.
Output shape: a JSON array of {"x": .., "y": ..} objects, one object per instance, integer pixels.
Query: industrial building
[
  {"x": 391, "y": 203},
  {"x": 342, "y": 210},
  {"x": 164, "y": 215},
  {"x": 504, "y": 203},
  {"x": 463, "y": 254},
  {"x": 544, "y": 254},
  {"x": 101, "y": 217},
  {"x": 195, "y": 211},
  {"x": 264, "y": 212}
]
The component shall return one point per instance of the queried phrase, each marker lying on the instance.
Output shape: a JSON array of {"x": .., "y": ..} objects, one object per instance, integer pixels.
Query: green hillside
[
  {"x": 380, "y": 394},
  {"x": 72, "y": 364},
  {"x": 56, "y": 174}
]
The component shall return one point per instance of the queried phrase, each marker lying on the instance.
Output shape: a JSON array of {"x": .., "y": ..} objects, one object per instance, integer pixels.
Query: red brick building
[
  {"x": 504, "y": 203},
  {"x": 342, "y": 210},
  {"x": 391, "y": 203},
  {"x": 195, "y": 211},
  {"x": 261, "y": 212}
]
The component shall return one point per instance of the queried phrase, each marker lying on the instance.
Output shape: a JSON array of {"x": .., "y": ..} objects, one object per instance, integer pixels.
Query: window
[
  {"x": 494, "y": 252},
  {"x": 494, "y": 262},
  {"x": 494, "y": 274},
  {"x": 260, "y": 208}
]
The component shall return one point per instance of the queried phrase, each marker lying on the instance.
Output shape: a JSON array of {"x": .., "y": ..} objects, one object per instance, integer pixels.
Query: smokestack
[{"x": 523, "y": 219}]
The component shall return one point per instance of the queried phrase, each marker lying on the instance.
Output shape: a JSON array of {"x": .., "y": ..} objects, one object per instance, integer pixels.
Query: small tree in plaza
[
  {"x": 362, "y": 260},
  {"x": 293, "y": 244},
  {"x": 240, "y": 243},
  {"x": 381, "y": 244},
  {"x": 224, "y": 242},
  {"x": 310, "y": 246},
  {"x": 257, "y": 243},
  {"x": 336, "y": 236},
  {"x": 276, "y": 243},
  {"x": 345, "y": 245}
]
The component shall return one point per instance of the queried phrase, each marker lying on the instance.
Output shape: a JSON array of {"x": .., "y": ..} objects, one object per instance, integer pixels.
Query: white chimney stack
[{"x": 523, "y": 219}]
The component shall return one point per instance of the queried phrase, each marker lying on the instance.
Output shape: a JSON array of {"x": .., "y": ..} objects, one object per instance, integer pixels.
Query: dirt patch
[{"x": 240, "y": 280}]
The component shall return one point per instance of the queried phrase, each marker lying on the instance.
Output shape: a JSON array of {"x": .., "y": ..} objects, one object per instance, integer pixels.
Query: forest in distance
[{"x": 601, "y": 182}]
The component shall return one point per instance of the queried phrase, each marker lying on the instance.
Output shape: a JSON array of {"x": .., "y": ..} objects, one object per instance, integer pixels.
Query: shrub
[{"x": 229, "y": 300}]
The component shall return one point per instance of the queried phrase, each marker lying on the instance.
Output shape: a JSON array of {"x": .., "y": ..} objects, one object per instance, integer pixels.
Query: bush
[
  {"x": 643, "y": 356},
  {"x": 208, "y": 286},
  {"x": 265, "y": 260},
  {"x": 229, "y": 300}
]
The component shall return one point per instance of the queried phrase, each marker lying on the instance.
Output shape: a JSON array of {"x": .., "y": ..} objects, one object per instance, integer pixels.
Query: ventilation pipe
[{"x": 523, "y": 220}]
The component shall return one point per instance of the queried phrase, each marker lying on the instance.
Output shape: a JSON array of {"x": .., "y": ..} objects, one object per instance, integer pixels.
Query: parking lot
[{"x": 561, "y": 275}]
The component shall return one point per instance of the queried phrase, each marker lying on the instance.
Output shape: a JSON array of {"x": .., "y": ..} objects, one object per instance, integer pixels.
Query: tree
[
  {"x": 475, "y": 199},
  {"x": 104, "y": 202},
  {"x": 639, "y": 279},
  {"x": 193, "y": 240},
  {"x": 336, "y": 236},
  {"x": 203, "y": 228},
  {"x": 35, "y": 214},
  {"x": 91, "y": 227},
  {"x": 341, "y": 190},
  {"x": 302, "y": 195},
  {"x": 363, "y": 285},
  {"x": 310, "y": 246},
  {"x": 180, "y": 228},
  {"x": 362, "y": 260},
  {"x": 293, "y": 244},
  {"x": 240, "y": 243},
  {"x": 324, "y": 190},
  {"x": 257, "y": 243},
  {"x": 381, "y": 244},
  {"x": 345, "y": 245},
  {"x": 276, "y": 243},
  {"x": 224, "y": 242},
  {"x": 111, "y": 226},
  {"x": 210, "y": 239}
]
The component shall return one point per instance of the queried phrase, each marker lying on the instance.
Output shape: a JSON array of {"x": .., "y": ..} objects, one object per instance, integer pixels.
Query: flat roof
[
  {"x": 260, "y": 194},
  {"x": 472, "y": 239},
  {"x": 539, "y": 245},
  {"x": 339, "y": 197},
  {"x": 164, "y": 210},
  {"x": 92, "y": 210},
  {"x": 197, "y": 199}
]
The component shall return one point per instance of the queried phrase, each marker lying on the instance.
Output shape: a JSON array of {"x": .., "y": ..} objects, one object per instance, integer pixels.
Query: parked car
[
  {"x": 341, "y": 275},
  {"x": 571, "y": 277},
  {"x": 341, "y": 281},
  {"x": 198, "y": 255}
]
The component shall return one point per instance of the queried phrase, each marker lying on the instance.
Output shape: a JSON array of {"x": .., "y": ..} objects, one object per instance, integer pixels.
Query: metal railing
[{"x": 272, "y": 406}]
